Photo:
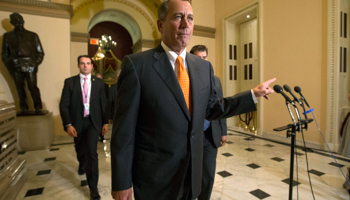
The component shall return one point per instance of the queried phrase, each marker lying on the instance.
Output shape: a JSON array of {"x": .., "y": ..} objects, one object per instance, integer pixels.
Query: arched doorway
[{"x": 112, "y": 61}]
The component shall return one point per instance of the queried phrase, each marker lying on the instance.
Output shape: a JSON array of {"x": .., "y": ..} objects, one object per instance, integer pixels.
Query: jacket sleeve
[
  {"x": 64, "y": 104},
  {"x": 123, "y": 133},
  {"x": 219, "y": 108}
]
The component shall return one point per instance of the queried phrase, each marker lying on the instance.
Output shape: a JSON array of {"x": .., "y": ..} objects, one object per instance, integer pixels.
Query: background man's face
[
  {"x": 201, "y": 54},
  {"x": 17, "y": 23},
  {"x": 178, "y": 26},
  {"x": 85, "y": 66}
]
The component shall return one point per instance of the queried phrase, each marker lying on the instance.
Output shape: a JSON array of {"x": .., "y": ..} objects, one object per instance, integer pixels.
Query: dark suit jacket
[
  {"x": 154, "y": 136},
  {"x": 72, "y": 108},
  {"x": 218, "y": 127}
]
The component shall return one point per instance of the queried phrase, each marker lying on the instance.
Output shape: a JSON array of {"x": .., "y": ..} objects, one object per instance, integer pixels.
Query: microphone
[
  {"x": 279, "y": 89},
  {"x": 287, "y": 88},
  {"x": 298, "y": 90}
]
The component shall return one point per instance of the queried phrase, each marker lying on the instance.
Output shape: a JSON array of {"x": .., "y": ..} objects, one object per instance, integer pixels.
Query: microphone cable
[
  {"x": 347, "y": 180},
  {"x": 307, "y": 163}
]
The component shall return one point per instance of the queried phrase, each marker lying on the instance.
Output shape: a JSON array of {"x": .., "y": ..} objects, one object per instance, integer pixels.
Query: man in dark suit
[
  {"x": 82, "y": 109},
  {"x": 164, "y": 94},
  {"x": 215, "y": 135}
]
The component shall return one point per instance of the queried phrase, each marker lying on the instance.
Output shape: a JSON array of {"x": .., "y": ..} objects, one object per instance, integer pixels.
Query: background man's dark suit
[
  {"x": 212, "y": 141},
  {"x": 156, "y": 141},
  {"x": 72, "y": 112}
]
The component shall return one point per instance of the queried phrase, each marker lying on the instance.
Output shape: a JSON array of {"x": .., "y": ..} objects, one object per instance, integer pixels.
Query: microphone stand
[{"x": 291, "y": 132}]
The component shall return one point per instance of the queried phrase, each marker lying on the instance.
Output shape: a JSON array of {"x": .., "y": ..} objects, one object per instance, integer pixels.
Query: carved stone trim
[
  {"x": 125, "y": 2},
  {"x": 332, "y": 126},
  {"x": 41, "y": 8},
  {"x": 79, "y": 37},
  {"x": 204, "y": 31}
]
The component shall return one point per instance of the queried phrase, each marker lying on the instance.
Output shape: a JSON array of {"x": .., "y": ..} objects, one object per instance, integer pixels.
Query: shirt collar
[
  {"x": 82, "y": 76},
  {"x": 172, "y": 55}
]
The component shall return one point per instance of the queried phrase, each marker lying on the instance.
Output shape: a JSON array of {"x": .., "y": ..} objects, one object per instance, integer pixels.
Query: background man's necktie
[
  {"x": 184, "y": 81},
  {"x": 85, "y": 96}
]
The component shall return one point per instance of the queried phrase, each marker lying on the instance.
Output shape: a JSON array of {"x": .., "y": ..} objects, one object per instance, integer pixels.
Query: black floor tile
[
  {"x": 259, "y": 194},
  {"x": 254, "y": 166},
  {"x": 83, "y": 183},
  {"x": 224, "y": 174},
  {"x": 317, "y": 173},
  {"x": 229, "y": 142},
  {"x": 335, "y": 164},
  {"x": 250, "y": 149},
  {"x": 227, "y": 154},
  {"x": 55, "y": 149},
  {"x": 299, "y": 154},
  {"x": 230, "y": 134},
  {"x": 268, "y": 145},
  {"x": 277, "y": 159},
  {"x": 34, "y": 192},
  {"x": 21, "y": 152},
  {"x": 50, "y": 159},
  {"x": 249, "y": 138},
  {"x": 43, "y": 172},
  {"x": 287, "y": 181}
]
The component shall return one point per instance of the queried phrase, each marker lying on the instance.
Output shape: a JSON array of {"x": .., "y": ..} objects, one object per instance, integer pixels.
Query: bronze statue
[{"x": 22, "y": 54}]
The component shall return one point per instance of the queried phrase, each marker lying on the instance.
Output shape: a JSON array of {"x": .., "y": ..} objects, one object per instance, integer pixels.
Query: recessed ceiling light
[{"x": 248, "y": 16}]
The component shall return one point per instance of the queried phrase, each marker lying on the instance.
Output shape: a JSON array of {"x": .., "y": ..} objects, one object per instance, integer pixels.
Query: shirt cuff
[
  {"x": 254, "y": 97},
  {"x": 68, "y": 125}
]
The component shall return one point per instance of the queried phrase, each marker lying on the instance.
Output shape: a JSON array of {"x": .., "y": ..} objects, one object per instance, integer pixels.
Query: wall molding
[
  {"x": 204, "y": 31},
  {"x": 332, "y": 127},
  {"x": 41, "y": 8},
  {"x": 79, "y": 37}
]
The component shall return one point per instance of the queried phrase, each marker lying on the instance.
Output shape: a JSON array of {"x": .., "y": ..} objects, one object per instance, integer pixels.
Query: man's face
[
  {"x": 177, "y": 29},
  {"x": 85, "y": 66},
  {"x": 17, "y": 23},
  {"x": 201, "y": 54}
]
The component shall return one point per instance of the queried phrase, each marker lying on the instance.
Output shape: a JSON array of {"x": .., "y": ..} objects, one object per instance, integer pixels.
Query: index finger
[{"x": 268, "y": 82}]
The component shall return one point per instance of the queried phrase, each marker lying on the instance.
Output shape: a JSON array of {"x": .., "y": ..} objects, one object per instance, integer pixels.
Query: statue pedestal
[{"x": 34, "y": 132}]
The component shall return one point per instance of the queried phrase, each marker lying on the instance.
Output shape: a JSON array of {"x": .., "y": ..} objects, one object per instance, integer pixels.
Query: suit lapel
[
  {"x": 77, "y": 86},
  {"x": 93, "y": 89},
  {"x": 167, "y": 74}
]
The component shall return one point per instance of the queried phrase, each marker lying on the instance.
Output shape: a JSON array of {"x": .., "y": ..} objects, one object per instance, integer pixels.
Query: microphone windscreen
[
  {"x": 287, "y": 88},
  {"x": 277, "y": 88},
  {"x": 297, "y": 89}
]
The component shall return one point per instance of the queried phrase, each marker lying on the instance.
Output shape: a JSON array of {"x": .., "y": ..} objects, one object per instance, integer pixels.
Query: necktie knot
[
  {"x": 179, "y": 59},
  {"x": 85, "y": 78}
]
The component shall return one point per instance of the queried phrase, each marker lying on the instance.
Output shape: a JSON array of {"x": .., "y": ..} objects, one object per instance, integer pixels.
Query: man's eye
[{"x": 190, "y": 18}]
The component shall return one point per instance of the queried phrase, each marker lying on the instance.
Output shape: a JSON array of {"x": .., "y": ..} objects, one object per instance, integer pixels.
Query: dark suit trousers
[
  {"x": 209, "y": 164},
  {"x": 86, "y": 148}
]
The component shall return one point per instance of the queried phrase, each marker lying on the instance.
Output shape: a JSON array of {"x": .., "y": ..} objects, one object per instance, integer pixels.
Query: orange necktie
[{"x": 184, "y": 81}]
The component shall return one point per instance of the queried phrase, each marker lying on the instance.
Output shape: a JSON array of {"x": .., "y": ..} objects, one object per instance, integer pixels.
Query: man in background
[
  {"x": 82, "y": 109},
  {"x": 215, "y": 135}
]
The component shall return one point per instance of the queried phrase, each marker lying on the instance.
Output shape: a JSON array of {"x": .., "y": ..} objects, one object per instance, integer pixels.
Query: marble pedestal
[{"x": 34, "y": 132}]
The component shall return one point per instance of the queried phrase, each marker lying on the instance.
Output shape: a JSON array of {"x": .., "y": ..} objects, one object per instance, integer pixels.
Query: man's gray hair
[{"x": 163, "y": 9}]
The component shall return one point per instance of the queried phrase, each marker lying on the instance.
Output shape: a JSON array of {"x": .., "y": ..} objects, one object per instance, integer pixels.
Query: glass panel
[
  {"x": 235, "y": 73},
  {"x": 245, "y": 72},
  {"x": 245, "y": 51},
  {"x": 250, "y": 50},
  {"x": 230, "y": 72},
  {"x": 250, "y": 72}
]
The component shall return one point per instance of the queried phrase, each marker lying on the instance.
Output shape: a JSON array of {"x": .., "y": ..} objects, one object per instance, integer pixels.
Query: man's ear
[{"x": 160, "y": 25}]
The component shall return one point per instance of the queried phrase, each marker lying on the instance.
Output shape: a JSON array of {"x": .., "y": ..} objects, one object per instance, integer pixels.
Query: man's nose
[{"x": 184, "y": 23}]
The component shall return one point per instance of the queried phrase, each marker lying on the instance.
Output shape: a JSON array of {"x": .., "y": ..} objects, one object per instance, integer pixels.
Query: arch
[
  {"x": 119, "y": 17},
  {"x": 84, "y": 11}
]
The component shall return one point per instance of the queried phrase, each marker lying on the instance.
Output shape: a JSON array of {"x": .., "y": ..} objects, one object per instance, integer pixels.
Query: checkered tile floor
[{"x": 248, "y": 168}]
